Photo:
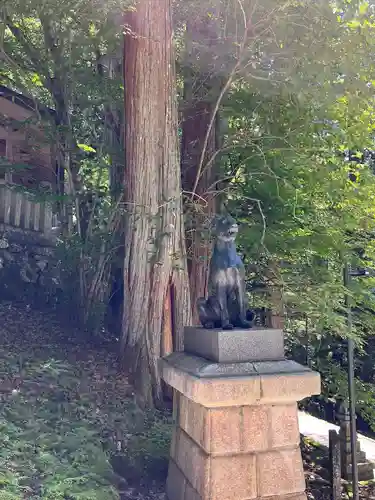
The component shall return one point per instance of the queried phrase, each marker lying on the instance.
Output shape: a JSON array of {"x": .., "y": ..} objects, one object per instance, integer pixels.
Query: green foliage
[
  {"x": 51, "y": 442},
  {"x": 327, "y": 354},
  {"x": 67, "y": 58},
  {"x": 66, "y": 415},
  {"x": 302, "y": 216},
  {"x": 300, "y": 93},
  {"x": 154, "y": 440},
  {"x": 86, "y": 265},
  {"x": 146, "y": 451},
  {"x": 306, "y": 217}
]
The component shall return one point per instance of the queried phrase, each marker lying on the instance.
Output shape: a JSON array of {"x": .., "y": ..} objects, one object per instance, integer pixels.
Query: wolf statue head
[{"x": 224, "y": 228}]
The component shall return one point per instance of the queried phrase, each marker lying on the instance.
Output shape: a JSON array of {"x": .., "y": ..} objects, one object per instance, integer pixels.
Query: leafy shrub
[
  {"x": 327, "y": 354},
  {"x": 86, "y": 266}
]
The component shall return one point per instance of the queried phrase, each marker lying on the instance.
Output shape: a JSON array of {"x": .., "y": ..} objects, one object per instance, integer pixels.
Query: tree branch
[{"x": 31, "y": 52}]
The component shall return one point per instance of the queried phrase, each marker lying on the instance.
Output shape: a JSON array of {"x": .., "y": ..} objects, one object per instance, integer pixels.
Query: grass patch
[
  {"x": 68, "y": 423},
  {"x": 51, "y": 435}
]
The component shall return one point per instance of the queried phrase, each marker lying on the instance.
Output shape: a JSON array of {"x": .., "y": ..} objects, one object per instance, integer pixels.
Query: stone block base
[
  {"x": 179, "y": 488},
  {"x": 236, "y": 435},
  {"x": 240, "y": 452}
]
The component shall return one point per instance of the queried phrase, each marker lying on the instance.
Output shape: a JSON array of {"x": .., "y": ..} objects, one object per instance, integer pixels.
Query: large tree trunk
[
  {"x": 202, "y": 203},
  {"x": 155, "y": 259},
  {"x": 199, "y": 151}
]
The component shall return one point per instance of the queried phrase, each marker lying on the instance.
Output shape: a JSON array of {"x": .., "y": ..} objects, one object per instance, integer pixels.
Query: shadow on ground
[{"x": 69, "y": 425}]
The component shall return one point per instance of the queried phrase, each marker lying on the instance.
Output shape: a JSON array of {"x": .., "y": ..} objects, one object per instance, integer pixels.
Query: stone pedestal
[
  {"x": 235, "y": 346},
  {"x": 236, "y": 434}
]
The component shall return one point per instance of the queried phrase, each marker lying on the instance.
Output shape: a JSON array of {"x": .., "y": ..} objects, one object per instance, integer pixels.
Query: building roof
[{"x": 24, "y": 101}]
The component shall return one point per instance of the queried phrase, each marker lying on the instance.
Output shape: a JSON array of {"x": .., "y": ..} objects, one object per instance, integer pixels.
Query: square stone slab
[
  {"x": 235, "y": 346},
  {"x": 204, "y": 369}
]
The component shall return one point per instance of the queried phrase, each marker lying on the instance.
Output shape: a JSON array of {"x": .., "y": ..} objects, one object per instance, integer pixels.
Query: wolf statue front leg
[
  {"x": 222, "y": 297},
  {"x": 205, "y": 313},
  {"x": 209, "y": 312}
]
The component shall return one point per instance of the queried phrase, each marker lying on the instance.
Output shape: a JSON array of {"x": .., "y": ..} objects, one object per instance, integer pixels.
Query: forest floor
[{"x": 69, "y": 424}]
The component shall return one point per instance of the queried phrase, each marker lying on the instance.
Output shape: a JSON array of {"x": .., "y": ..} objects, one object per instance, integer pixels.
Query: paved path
[{"x": 317, "y": 429}]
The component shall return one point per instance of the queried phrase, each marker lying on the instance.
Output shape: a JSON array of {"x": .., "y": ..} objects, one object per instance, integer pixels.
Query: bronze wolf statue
[{"x": 226, "y": 305}]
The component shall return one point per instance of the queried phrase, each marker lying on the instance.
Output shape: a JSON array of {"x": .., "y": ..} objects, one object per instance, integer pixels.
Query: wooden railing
[{"x": 22, "y": 210}]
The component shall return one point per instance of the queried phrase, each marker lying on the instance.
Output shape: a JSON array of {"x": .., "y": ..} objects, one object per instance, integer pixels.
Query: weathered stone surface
[
  {"x": 217, "y": 430},
  {"x": 280, "y": 473},
  {"x": 214, "y": 392},
  {"x": 240, "y": 429},
  {"x": 28, "y": 271},
  {"x": 234, "y": 346},
  {"x": 255, "y": 429},
  {"x": 195, "y": 420},
  {"x": 289, "y": 387},
  {"x": 238, "y": 383},
  {"x": 192, "y": 461},
  {"x": 174, "y": 443},
  {"x": 176, "y": 482},
  {"x": 178, "y": 487},
  {"x": 233, "y": 477},
  {"x": 283, "y": 426},
  {"x": 201, "y": 368},
  {"x": 209, "y": 475},
  {"x": 365, "y": 471},
  {"x": 274, "y": 367},
  {"x": 226, "y": 430},
  {"x": 237, "y": 435},
  {"x": 191, "y": 493}
]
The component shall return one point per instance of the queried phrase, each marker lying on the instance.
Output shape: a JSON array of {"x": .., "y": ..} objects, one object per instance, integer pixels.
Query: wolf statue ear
[
  {"x": 222, "y": 213},
  {"x": 223, "y": 210},
  {"x": 213, "y": 222}
]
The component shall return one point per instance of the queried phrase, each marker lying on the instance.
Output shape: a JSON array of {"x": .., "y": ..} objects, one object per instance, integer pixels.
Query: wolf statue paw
[
  {"x": 244, "y": 324},
  {"x": 227, "y": 326}
]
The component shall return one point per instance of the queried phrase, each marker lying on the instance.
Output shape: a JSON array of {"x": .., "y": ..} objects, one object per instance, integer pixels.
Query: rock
[
  {"x": 4, "y": 243},
  {"x": 42, "y": 252},
  {"x": 28, "y": 271},
  {"x": 8, "y": 256},
  {"x": 28, "y": 274},
  {"x": 15, "y": 248},
  {"x": 41, "y": 264}
]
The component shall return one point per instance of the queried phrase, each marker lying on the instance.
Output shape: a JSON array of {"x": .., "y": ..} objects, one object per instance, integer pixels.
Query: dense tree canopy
[{"x": 271, "y": 97}]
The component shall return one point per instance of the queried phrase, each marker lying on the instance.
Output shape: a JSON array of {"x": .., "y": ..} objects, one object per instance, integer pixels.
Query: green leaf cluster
[{"x": 304, "y": 209}]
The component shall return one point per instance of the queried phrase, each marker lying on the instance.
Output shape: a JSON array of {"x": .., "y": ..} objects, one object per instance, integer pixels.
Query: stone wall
[{"x": 29, "y": 269}]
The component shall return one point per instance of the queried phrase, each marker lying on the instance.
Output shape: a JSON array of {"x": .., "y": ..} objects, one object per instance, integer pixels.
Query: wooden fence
[{"x": 22, "y": 210}]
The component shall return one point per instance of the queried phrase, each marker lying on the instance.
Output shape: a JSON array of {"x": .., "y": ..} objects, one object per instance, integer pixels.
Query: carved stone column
[{"x": 236, "y": 434}]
